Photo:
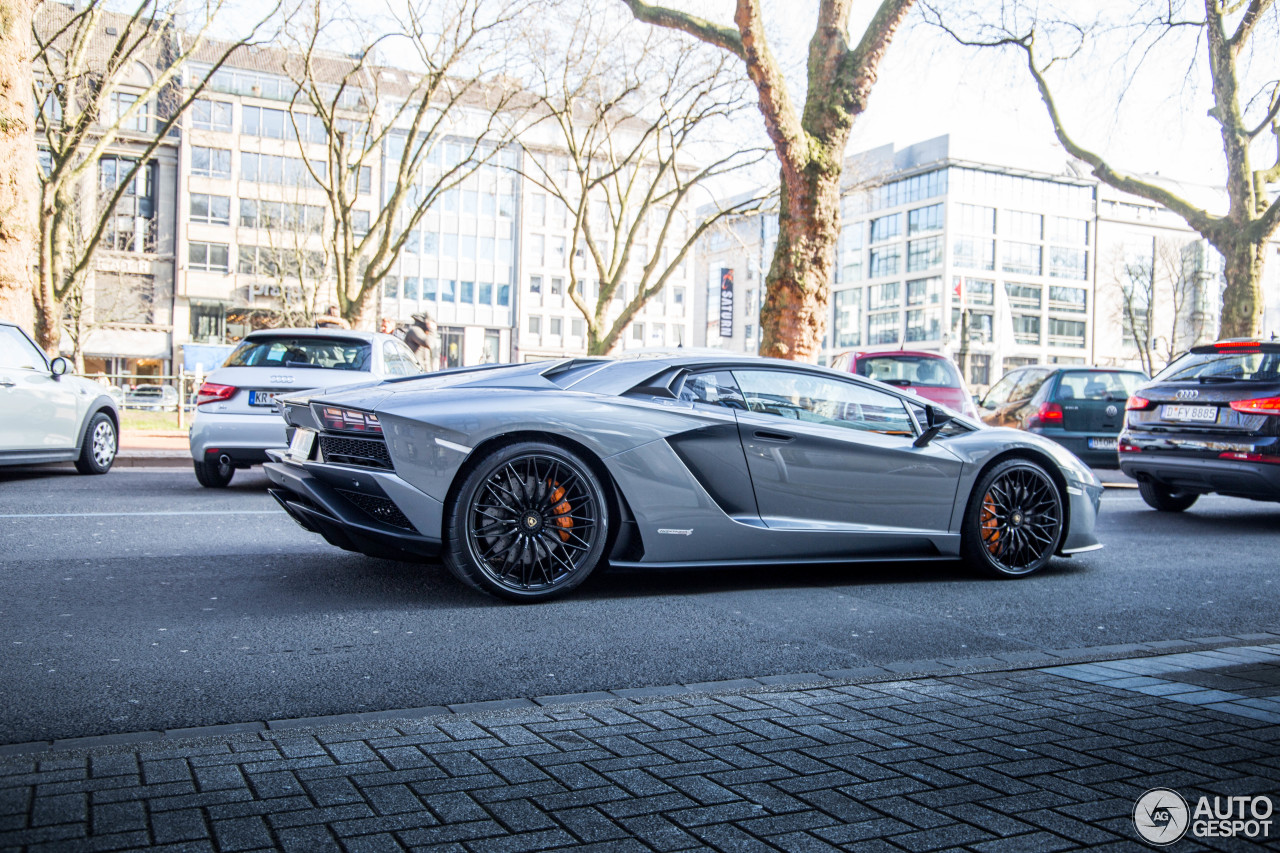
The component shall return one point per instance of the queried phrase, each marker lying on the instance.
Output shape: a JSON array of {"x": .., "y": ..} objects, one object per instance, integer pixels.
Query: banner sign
[{"x": 726, "y": 303}]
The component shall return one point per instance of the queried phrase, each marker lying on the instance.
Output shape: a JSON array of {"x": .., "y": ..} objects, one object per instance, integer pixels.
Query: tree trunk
[
  {"x": 793, "y": 318},
  {"x": 1242, "y": 304},
  {"x": 17, "y": 164}
]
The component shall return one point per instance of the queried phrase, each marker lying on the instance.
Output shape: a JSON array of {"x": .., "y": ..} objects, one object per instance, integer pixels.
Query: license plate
[
  {"x": 1203, "y": 414},
  {"x": 1102, "y": 443},
  {"x": 263, "y": 398},
  {"x": 300, "y": 446}
]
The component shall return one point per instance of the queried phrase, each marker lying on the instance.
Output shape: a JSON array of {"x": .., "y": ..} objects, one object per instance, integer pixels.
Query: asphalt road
[{"x": 141, "y": 601}]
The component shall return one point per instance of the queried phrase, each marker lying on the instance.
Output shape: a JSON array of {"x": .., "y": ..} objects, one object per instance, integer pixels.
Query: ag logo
[{"x": 1161, "y": 816}]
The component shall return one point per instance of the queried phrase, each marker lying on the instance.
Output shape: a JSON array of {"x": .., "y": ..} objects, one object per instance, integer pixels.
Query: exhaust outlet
[{"x": 224, "y": 459}]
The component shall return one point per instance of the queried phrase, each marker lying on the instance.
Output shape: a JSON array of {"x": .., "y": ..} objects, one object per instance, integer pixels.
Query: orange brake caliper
[
  {"x": 990, "y": 527},
  {"x": 562, "y": 508}
]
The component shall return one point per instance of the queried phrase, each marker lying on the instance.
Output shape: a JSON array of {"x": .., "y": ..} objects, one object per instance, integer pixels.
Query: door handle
[
  {"x": 768, "y": 435},
  {"x": 7, "y": 383}
]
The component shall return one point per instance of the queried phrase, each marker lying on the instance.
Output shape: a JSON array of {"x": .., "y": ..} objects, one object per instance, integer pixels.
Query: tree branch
[
  {"x": 700, "y": 28},
  {"x": 1247, "y": 24}
]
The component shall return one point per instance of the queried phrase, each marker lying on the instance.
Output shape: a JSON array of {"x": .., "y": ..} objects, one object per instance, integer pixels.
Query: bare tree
[
  {"x": 810, "y": 146},
  {"x": 18, "y": 226},
  {"x": 368, "y": 110},
  {"x": 105, "y": 82},
  {"x": 626, "y": 120},
  {"x": 1246, "y": 109},
  {"x": 1156, "y": 288}
]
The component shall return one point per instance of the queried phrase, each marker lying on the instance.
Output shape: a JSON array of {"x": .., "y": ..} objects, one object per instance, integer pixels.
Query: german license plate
[
  {"x": 263, "y": 398},
  {"x": 300, "y": 446},
  {"x": 1201, "y": 414},
  {"x": 1102, "y": 444}
]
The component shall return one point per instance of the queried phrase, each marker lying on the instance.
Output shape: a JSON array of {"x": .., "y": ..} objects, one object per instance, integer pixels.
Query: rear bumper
[
  {"x": 243, "y": 437},
  {"x": 1254, "y": 480},
  {"x": 357, "y": 509}
]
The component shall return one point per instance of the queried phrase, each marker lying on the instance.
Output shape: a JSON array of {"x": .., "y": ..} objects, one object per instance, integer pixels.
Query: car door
[
  {"x": 37, "y": 410},
  {"x": 826, "y": 453}
]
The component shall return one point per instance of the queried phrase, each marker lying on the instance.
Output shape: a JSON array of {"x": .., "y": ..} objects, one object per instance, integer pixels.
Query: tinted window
[
  {"x": 817, "y": 399},
  {"x": 1098, "y": 385},
  {"x": 999, "y": 393},
  {"x": 715, "y": 389},
  {"x": 910, "y": 370},
  {"x": 326, "y": 353},
  {"x": 1028, "y": 384},
  {"x": 1260, "y": 366}
]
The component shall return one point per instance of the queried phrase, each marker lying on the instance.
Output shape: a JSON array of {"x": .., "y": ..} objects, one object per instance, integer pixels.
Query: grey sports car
[{"x": 527, "y": 477}]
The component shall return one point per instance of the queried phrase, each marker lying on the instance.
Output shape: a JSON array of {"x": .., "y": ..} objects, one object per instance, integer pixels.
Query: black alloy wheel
[
  {"x": 529, "y": 523},
  {"x": 1014, "y": 521},
  {"x": 1165, "y": 500}
]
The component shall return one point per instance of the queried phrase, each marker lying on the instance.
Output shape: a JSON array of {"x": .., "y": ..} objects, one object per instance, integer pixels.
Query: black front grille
[
  {"x": 382, "y": 509},
  {"x": 365, "y": 452}
]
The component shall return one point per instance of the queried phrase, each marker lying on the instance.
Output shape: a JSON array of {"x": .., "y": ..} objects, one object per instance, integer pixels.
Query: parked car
[
  {"x": 927, "y": 374},
  {"x": 235, "y": 422},
  {"x": 152, "y": 397},
  {"x": 49, "y": 416},
  {"x": 1081, "y": 408},
  {"x": 1209, "y": 422},
  {"x": 527, "y": 477}
]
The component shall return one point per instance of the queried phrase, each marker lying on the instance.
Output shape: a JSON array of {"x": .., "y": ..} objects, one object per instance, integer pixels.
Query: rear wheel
[
  {"x": 529, "y": 523},
  {"x": 215, "y": 474},
  {"x": 1014, "y": 520},
  {"x": 1165, "y": 500},
  {"x": 98, "y": 450}
]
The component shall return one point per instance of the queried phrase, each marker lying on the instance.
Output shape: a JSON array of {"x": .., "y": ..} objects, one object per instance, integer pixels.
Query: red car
[{"x": 927, "y": 374}]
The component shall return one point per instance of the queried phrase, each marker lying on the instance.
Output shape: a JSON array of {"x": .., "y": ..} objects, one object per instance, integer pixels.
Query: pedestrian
[{"x": 331, "y": 319}]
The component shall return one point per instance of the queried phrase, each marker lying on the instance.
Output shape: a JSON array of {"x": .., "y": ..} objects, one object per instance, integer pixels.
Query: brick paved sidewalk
[{"x": 1047, "y": 759}]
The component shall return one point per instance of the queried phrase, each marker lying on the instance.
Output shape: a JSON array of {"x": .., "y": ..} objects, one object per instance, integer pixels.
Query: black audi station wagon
[{"x": 1209, "y": 422}]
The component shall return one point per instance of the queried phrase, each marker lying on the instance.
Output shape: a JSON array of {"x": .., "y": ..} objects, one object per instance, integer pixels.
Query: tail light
[
  {"x": 1125, "y": 445},
  {"x": 349, "y": 420},
  {"x": 1049, "y": 414},
  {"x": 1137, "y": 404},
  {"x": 1249, "y": 457},
  {"x": 211, "y": 393},
  {"x": 1260, "y": 406}
]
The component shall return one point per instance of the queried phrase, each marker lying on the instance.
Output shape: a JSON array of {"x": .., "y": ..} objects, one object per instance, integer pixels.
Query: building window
[
  {"x": 208, "y": 322},
  {"x": 577, "y": 327},
  {"x": 410, "y": 288},
  {"x": 924, "y": 325},
  {"x": 429, "y": 291},
  {"x": 210, "y": 257},
  {"x": 391, "y": 287},
  {"x": 1014, "y": 362},
  {"x": 1026, "y": 328},
  {"x": 979, "y": 369},
  {"x": 924, "y": 254},
  {"x": 132, "y": 225},
  {"x": 210, "y": 209},
  {"x": 504, "y": 294},
  {"x": 977, "y": 327},
  {"x": 1063, "y": 229},
  {"x": 211, "y": 162},
  {"x": 979, "y": 291},
  {"x": 118, "y": 103},
  {"x": 484, "y": 293},
  {"x": 883, "y": 328},
  {"x": 884, "y": 261},
  {"x": 1073, "y": 299},
  {"x": 1022, "y": 225},
  {"x": 1023, "y": 295},
  {"x": 924, "y": 291},
  {"x": 886, "y": 228},
  {"x": 677, "y": 301},
  {"x": 448, "y": 290},
  {"x": 280, "y": 171},
  {"x": 887, "y": 295},
  {"x": 211, "y": 115},
  {"x": 917, "y": 188},
  {"x": 1066, "y": 333},
  {"x": 280, "y": 124},
  {"x": 848, "y": 320},
  {"x": 557, "y": 286},
  {"x": 924, "y": 219},
  {"x": 557, "y": 327},
  {"x": 975, "y": 219},
  {"x": 974, "y": 254},
  {"x": 451, "y": 347},
  {"x": 466, "y": 292},
  {"x": 1068, "y": 263},
  {"x": 535, "y": 324},
  {"x": 1022, "y": 258},
  {"x": 535, "y": 284},
  {"x": 360, "y": 222}
]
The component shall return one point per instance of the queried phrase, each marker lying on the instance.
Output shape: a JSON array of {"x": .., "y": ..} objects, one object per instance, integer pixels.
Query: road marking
[{"x": 131, "y": 514}]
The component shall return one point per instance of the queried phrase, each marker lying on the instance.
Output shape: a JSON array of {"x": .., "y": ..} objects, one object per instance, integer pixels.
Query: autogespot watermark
[{"x": 1162, "y": 817}]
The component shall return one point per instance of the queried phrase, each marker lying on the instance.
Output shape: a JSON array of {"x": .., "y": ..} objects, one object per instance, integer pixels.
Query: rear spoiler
[{"x": 1238, "y": 345}]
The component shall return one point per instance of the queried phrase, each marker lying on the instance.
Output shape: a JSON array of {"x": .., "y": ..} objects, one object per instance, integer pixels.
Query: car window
[
  {"x": 407, "y": 359},
  {"x": 1028, "y": 384},
  {"x": 18, "y": 352},
  {"x": 716, "y": 388},
  {"x": 1218, "y": 366},
  {"x": 391, "y": 360},
  {"x": 910, "y": 370},
  {"x": 999, "y": 393},
  {"x": 311, "y": 352},
  {"x": 1097, "y": 385},
  {"x": 818, "y": 399}
]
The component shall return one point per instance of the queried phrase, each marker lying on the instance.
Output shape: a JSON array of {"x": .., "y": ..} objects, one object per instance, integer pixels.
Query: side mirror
[
  {"x": 936, "y": 421},
  {"x": 58, "y": 366}
]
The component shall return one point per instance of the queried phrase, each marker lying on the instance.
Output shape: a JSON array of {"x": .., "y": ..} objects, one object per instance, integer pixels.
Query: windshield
[
  {"x": 1098, "y": 385},
  {"x": 1223, "y": 367},
  {"x": 910, "y": 370},
  {"x": 326, "y": 353}
]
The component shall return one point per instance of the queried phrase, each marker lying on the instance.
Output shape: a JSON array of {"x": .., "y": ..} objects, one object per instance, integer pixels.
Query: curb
[{"x": 1015, "y": 661}]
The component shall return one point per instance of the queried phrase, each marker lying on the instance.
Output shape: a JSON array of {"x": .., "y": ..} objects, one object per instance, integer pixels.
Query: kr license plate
[
  {"x": 1200, "y": 414},
  {"x": 1102, "y": 444},
  {"x": 300, "y": 446},
  {"x": 263, "y": 398}
]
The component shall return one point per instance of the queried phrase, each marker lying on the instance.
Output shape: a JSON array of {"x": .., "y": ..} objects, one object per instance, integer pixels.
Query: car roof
[
  {"x": 860, "y": 354},
  {"x": 306, "y": 331}
]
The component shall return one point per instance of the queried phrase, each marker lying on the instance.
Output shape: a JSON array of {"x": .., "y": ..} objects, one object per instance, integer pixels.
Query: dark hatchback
[
  {"x": 1209, "y": 422},
  {"x": 1081, "y": 408}
]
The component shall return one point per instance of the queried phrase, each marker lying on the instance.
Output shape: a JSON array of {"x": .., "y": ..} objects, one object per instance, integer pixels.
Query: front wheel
[
  {"x": 529, "y": 523},
  {"x": 1014, "y": 520},
  {"x": 1165, "y": 500},
  {"x": 98, "y": 450}
]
